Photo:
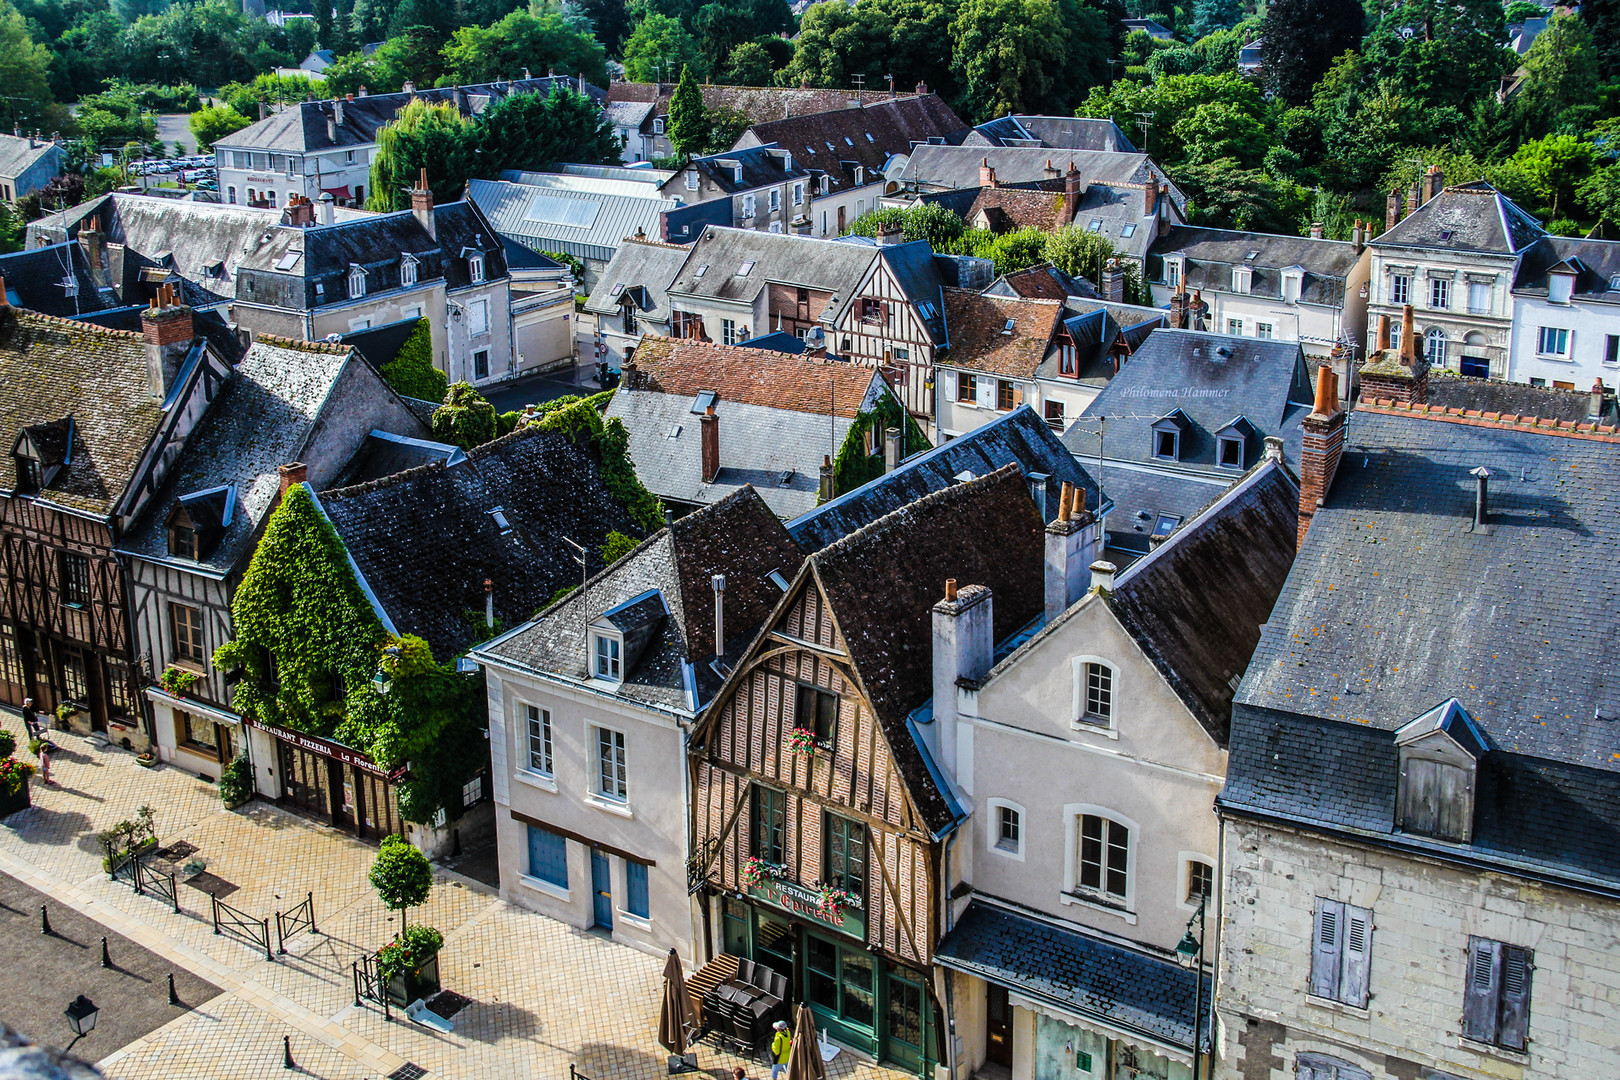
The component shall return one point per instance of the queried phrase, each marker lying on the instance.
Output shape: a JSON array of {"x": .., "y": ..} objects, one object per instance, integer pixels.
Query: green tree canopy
[
  {"x": 214, "y": 123},
  {"x": 749, "y": 64},
  {"x": 1454, "y": 52},
  {"x": 1301, "y": 39},
  {"x": 536, "y": 131},
  {"x": 1027, "y": 55},
  {"x": 1560, "y": 88},
  {"x": 541, "y": 43},
  {"x": 689, "y": 129},
  {"x": 430, "y": 135},
  {"x": 402, "y": 875},
  {"x": 658, "y": 48},
  {"x": 24, "y": 70},
  {"x": 465, "y": 418}
]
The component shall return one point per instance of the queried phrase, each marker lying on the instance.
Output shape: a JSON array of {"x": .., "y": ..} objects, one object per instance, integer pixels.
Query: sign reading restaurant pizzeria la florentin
[{"x": 806, "y": 903}]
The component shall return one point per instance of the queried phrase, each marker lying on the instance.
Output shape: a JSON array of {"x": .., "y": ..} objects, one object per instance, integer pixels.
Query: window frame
[
  {"x": 825, "y": 739},
  {"x": 837, "y": 828},
  {"x": 1008, "y": 395},
  {"x": 1440, "y": 293},
  {"x": 357, "y": 283},
  {"x": 994, "y": 837},
  {"x": 1188, "y": 861},
  {"x": 1074, "y": 892},
  {"x": 183, "y": 530},
  {"x": 1473, "y": 290},
  {"x": 183, "y": 727},
  {"x": 1489, "y": 1006},
  {"x": 535, "y": 714},
  {"x": 967, "y": 388},
  {"x": 1221, "y": 444},
  {"x": 1175, "y": 445},
  {"x": 407, "y": 271},
  {"x": 74, "y": 582},
  {"x": 614, "y": 655},
  {"x": 475, "y": 269},
  {"x": 1564, "y": 339},
  {"x": 1339, "y": 972},
  {"x": 1080, "y": 716},
  {"x": 612, "y": 765},
  {"x": 195, "y": 636},
  {"x": 532, "y": 871},
  {"x": 1400, "y": 288},
  {"x": 767, "y": 802}
]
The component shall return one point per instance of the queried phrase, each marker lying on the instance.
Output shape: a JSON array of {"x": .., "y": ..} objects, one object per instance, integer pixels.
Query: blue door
[{"x": 601, "y": 890}]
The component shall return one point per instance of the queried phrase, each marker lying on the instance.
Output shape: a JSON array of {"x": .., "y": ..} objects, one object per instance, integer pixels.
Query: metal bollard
[
  {"x": 106, "y": 961},
  {"x": 44, "y": 920},
  {"x": 286, "y": 1052},
  {"x": 174, "y": 998}
]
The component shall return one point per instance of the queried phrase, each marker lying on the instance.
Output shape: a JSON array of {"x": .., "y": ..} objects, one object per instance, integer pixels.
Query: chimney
[
  {"x": 1316, "y": 230},
  {"x": 890, "y": 234},
  {"x": 168, "y": 330},
  {"x": 1178, "y": 310},
  {"x": 1052, "y": 172},
  {"x": 1320, "y": 449},
  {"x": 711, "y": 445},
  {"x": 1392, "y": 209},
  {"x": 1358, "y": 236},
  {"x": 1274, "y": 449},
  {"x": 1482, "y": 477},
  {"x": 408, "y": 87},
  {"x": 94, "y": 243},
  {"x": 422, "y": 204},
  {"x": 964, "y": 648},
  {"x": 1402, "y": 376},
  {"x": 4, "y": 303},
  {"x": 489, "y": 603},
  {"x": 327, "y": 214},
  {"x": 801, "y": 226},
  {"x": 1113, "y": 282},
  {"x": 337, "y": 112},
  {"x": 1408, "y": 337},
  {"x": 987, "y": 175},
  {"x": 1073, "y": 190},
  {"x": 1434, "y": 182},
  {"x": 1381, "y": 342},
  {"x": 922, "y": 88},
  {"x": 292, "y": 474},
  {"x": 361, "y": 91},
  {"x": 1152, "y": 206},
  {"x": 1164, "y": 202},
  {"x": 892, "y": 452},
  {"x": 1196, "y": 311},
  {"x": 826, "y": 487},
  {"x": 1414, "y": 198},
  {"x": 1102, "y": 575},
  {"x": 719, "y": 583},
  {"x": 1071, "y": 547},
  {"x": 1594, "y": 408}
]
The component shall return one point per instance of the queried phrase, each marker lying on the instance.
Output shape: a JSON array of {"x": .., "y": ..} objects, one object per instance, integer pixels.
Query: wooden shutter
[
  {"x": 1515, "y": 1022},
  {"x": 1357, "y": 956},
  {"x": 1018, "y": 396},
  {"x": 1421, "y": 812},
  {"x": 1481, "y": 991},
  {"x": 1326, "y": 942}
]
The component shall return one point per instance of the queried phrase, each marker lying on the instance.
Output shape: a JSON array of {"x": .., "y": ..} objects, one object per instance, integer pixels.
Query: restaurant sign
[
  {"x": 327, "y": 748},
  {"x": 806, "y": 903}
]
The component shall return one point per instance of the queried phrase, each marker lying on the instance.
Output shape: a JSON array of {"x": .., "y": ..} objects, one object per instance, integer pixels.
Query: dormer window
[
  {"x": 1440, "y": 753},
  {"x": 1232, "y": 444},
  {"x": 475, "y": 268},
  {"x": 1231, "y": 452},
  {"x": 1172, "y": 272},
  {"x": 1167, "y": 433},
  {"x": 407, "y": 270},
  {"x": 1290, "y": 288},
  {"x": 40, "y": 451},
  {"x": 607, "y": 661},
  {"x": 182, "y": 536},
  {"x": 357, "y": 282},
  {"x": 30, "y": 471},
  {"x": 1242, "y": 279},
  {"x": 658, "y": 125}
]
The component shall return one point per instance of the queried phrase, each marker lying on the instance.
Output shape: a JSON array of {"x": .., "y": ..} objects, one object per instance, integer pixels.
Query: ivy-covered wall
[
  {"x": 411, "y": 372},
  {"x": 854, "y": 466},
  {"x": 582, "y": 419},
  {"x": 308, "y": 645}
]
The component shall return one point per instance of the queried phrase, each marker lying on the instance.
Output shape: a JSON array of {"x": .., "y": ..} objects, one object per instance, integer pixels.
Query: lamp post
[
  {"x": 1190, "y": 953},
  {"x": 81, "y": 1017},
  {"x": 383, "y": 680}
]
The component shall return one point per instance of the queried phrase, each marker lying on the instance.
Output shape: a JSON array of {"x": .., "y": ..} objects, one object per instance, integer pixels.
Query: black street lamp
[
  {"x": 81, "y": 1017},
  {"x": 1190, "y": 953}
]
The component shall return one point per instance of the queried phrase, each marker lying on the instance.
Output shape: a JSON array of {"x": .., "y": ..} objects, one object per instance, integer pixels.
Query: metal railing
[
  {"x": 299, "y": 919},
  {"x": 162, "y": 886},
  {"x": 119, "y": 862},
  {"x": 242, "y": 926},
  {"x": 370, "y": 984}
]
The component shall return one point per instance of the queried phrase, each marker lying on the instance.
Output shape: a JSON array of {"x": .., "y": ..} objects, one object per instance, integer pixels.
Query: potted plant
[
  {"x": 409, "y": 965},
  {"x": 236, "y": 783},
  {"x": 178, "y": 681},
  {"x": 801, "y": 741},
  {"x": 14, "y": 776},
  {"x": 833, "y": 901},
  {"x": 8, "y": 743},
  {"x": 756, "y": 872},
  {"x": 65, "y": 712}
]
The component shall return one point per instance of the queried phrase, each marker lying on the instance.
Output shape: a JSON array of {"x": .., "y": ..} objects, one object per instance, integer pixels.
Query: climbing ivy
[
  {"x": 854, "y": 466},
  {"x": 411, "y": 372},
  {"x": 465, "y": 418},
  {"x": 581, "y": 420},
  {"x": 300, "y": 604}
]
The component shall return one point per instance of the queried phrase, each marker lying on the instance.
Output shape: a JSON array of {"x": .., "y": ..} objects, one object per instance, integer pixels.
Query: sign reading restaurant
[
  {"x": 326, "y": 748},
  {"x": 806, "y": 903}
]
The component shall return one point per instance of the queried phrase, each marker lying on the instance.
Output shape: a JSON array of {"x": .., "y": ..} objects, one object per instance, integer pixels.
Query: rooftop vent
[{"x": 499, "y": 514}]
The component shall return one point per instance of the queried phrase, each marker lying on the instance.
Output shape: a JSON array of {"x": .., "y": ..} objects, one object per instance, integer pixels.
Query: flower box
[{"x": 417, "y": 984}]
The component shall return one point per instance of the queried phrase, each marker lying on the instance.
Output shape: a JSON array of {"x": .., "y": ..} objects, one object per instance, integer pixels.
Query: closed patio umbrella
[
  {"x": 804, "y": 1059},
  {"x": 676, "y": 1014}
]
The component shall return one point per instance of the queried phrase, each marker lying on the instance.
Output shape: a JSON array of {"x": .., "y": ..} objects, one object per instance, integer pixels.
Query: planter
[
  {"x": 10, "y": 804},
  {"x": 147, "y": 760},
  {"x": 418, "y": 985}
]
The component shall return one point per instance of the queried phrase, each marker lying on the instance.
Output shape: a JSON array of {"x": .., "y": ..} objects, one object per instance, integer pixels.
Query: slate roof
[
  {"x": 1466, "y": 217},
  {"x": 380, "y": 345},
  {"x": 19, "y": 154},
  {"x": 1596, "y": 264},
  {"x": 425, "y": 540},
  {"x": 981, "y": 341},
  {"x": 761, "y": 167},
  {"x": 1096, "y": 327},
  {"x": 1075, "y": 972},
  {"x": 1452, "y": 391},
  {"x": 261, "y": 419},
  {"x": 683, "y": 367},
  {"x": 1210, "y": 255},
  {"x": 778, "y": 451},
  {"x": 760, "y": 104},
  {"x": 384, "y": 454},
  {"x": 952, "y": 167},
  {"x": 1142, "y": 496},
  {"x": 644, "y": 265},
  {"x": 36, "y": 279},
  {"x": 588, "y": 219},
  {"x": 816, "y": 263},
  {"x": 738, "y": 536},
  {"x": 834, "y": 141},
  {"x": 1055, "y": 132},
  {"x": 51, "y": 369},
  {"x": 302, "y": 127},
  {"x": 1020, "y": 437},
  {"x": 209, "y": 325},
  {"x": 883, "y": 580}
]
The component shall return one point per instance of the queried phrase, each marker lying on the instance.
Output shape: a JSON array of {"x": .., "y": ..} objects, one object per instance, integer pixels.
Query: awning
[
  {"x": 338, "y": 192},
  {"x": 197, "y": 708},
  {"x": 1074, "y": 977}
]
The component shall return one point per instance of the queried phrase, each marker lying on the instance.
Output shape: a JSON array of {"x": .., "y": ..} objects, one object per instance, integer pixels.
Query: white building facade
[{"x": 1566, "y": 315}]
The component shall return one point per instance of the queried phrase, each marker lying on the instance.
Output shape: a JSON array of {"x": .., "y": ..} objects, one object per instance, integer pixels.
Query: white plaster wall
[{"x": 1589, "y": 326}]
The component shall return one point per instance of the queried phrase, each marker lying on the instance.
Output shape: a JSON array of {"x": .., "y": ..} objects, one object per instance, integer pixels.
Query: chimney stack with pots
[
  {"x": 719, "y": 583},
  {"x": 1401, "y": 376},
  {"x": 710, "y": 424},
  {"x": 291, "y": 475},
  {"x": 1409, "y": 349},
  {"x": 964, "y": 649},
  {"x": 422, "y": 205},
  {"x": 1071, "y": 548},
  {"x": 328, "y": 212},
  {"x": 987, "y": 175},
  {"x": 1152, "y": 206},
  {"x": 1434, "y": 182},
  {"x": 94, "y": 243},
  {"x": 1113, "y": 282},
  {"x": 890, "y": 234},
  {"x": 1074, "y": 189},
  {"x": 826, "y": 485},
  {"x": 1178, "y": 309},
  {"x": 1594, "y": 408},
  {"x": 1358, "y": 236},
  {"x": 167, "y": 327},
  {"x": 892, "y": 449},
  {"x": 1320, "y": 449},
  {"x": 1316, "y": 230},
  {"x": 1392, "y": 209}
]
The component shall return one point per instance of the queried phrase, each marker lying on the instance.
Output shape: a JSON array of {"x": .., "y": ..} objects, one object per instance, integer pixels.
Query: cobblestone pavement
[{"x": 543, "y": 994}]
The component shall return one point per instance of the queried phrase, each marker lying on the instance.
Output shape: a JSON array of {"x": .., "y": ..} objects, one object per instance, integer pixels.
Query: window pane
[
  {"x": 1091, "y": 852},
  {"x": 1099, "y": 691},
  {"x": 821, "y": 973},
  {"x": 905, "y": 1012},
  {"x": 860, "y": 1002},
  {"x": 1118, "y": 854},
  {"x": 539, "y": 724},
  {"x": 612, "y": 779}
]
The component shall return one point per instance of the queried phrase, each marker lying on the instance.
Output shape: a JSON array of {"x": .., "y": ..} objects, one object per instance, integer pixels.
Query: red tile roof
[
  {"x": 753, "y": 376},
  {"x": 1017, "y": 208},
  {"x": 978, "y": 340}
]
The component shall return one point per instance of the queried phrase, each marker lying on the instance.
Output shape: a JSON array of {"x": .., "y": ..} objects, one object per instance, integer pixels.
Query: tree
[
  {"x": 1027, "y": 55},
  {"x": 610, "y": 21},
  {"x": 214, "y": 123},
  {"x": 350, "y": 72},
  {"x": 1600, "y": 194},
  {"x": 548, "y": 41},
  {"x": 1603, "y": 18},
  {"x": 688, "y": 126},
  {"x": 748, "y": 65},
  {"x": 658, "y": 47},
  {"x": 1439, "y": 52},
  {"x": 465, "y": 418},
  {"x": 424, "y": 135},
  {"x": 1554, "y": 166},
  {"x": 1560, "y": 79},
  {"x": 402, "y": 876},
  {"x": 1212, "y": 15},
  {"x": 1301, "y": 39},
  {"x": 1079, "y": 252},
  {"x": 415, "y": 54},
  {"x": 411, "y": 371},
  {"x": 536, "y": 131},
  {"x": 24, "y": 69},
  {"x": 726, "y": 126},
  {"x": 11, "y": 229}
]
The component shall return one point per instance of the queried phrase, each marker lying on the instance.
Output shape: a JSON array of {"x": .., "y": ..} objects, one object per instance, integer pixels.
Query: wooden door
[
  {"x": 13, "y": 678},
  {"x": 306, "y": 781},
  {"x": 601, "y": 891},
  {"x": 998, "y": 1025}
]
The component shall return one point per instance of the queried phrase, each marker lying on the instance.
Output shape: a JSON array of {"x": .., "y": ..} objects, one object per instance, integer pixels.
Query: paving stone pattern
[{"x": 543, "y": 995}]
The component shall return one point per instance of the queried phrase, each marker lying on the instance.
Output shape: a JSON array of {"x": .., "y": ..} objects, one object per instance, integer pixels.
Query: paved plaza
[{"x": 543, "y": 995}]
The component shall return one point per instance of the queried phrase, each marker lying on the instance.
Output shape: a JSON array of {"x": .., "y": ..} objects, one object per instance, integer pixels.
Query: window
[
  {"x": 1231, "y": 453},
  {"x": 357, "y": 282},
  {"x": 75, "y": 680},
  {"x": 1262, "y": 330},
  {"x": 1200, "y": 880},
  {"x": 691, "y": 180},
  {"x": 1172, "y": 273},
  {"x": 658, "y": 125},
  {"x": 118, "y": 697},
  {"x": 1323, "y": 1067},
  {"x": 481, "y": 364},
  {"x": 475, "y": 268},
  {"x": 1611, "y": 349},
  {"x": 1395, "y": 337},
  {"x": 635, "y": 889},
  {"x": 816, "y": 710},
  {"x": 548, "y": 857},
  {"x": 478, "y": 317},
  {"x": 1242, "y": 277},
  {"x": 182, "y": 539},
  {"x": 349, "y": 157},
  {"x": 846, "y": 855},
  {"x": 75, "y": 579},
  {"x": 1434, "y": 347},
  {"x": 967, "y": 388},
  {"x": 1552, "y": 341},
  {"x": 871, "y": 311},
  {"x": 768, "y": 843},
  {"x": 728, "y": 332},
  {"x": 1436, "y": 797},
  {"x": 1341, "y": 952},
  {"x": 826, "y": 188},
  {"x": 231, "y": 193},
  {"x": 629, "y": 319},
  {"x": 776, "y": 200},
  {"x": 1234, "y": 327},
  {"x": 607, "y": 664},
  {"x": 798, "y": 194},
  {"x": 1439, "y": 293},
  {"x": 1496, "y": 1000},
  {"x": 407, "y": 271},
  {"x": 1479, "y": 297},
  {"x": 1104, "y": 862},
  {"x": 611, "y": 776},
  {"x": 195, "y": 731},
  {"x": 748, "y": 205},
  {"x": 1400, "y": 288},
  {"x": 1009, "y": 834},
  {"x": 472, "y": 792},
  {"x": 185, "y": 626},
  {"x": 1054, "y": 415},
  {"x": 539, "y": 736},
  {"x": 1166, "y": 444},
  {"x": 1099, "y": 694},
  {"x": 1290, "y": 288},
  {"x": 1007, "y": 395}
]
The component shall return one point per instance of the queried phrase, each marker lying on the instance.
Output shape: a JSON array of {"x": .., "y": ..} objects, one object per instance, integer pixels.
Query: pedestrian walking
[
  {"x": 739, "y": 1073},
  {"x": 30, "y": 718},
  {"x": 45, "y": 763},
  {"x": 781, "y": 1047}
]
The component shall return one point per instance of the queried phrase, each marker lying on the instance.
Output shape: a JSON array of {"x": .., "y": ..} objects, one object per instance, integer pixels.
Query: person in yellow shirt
[{"x": 781, "y": 1047}]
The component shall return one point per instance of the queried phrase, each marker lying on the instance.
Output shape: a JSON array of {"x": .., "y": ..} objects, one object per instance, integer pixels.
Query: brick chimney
[
  {"x": 1197, "y": 310},
  {"x": 1414, "y": 198},
  {"x": 292, "y": 474},
  {"x": 1408, "y": 336},
  {"x": 1073, "y": 191},
  {"x": 422, "y": 205},
  {"x": 1392, "y": 209},
  {"x": 963, "y": 648},
  {"x": 1071, "y": 547},
  {"x": 1322, "y": 445},
  {"x": 1151, "y": 206},
  {"x": 1316, "y": 230},
  {"x": 1434, "y": 182},
  {"x": 1164, "y": 202},
  {"x": 1113, "y": 282},
  {"x": 168, "y": 330},
  {"x": 987, "y": 175},
  {"x": 890, "y": 234},
  {"x": 922, "y": 88},
  {"x": 94, "y": 243},
  {"x": 1178, "y": 310},
  {"x": 300, "y": 212},
  {"x": 1381, "y": 341},
  {"x": 1398, "y": 376},
  {"x": 711, "y": 445}
]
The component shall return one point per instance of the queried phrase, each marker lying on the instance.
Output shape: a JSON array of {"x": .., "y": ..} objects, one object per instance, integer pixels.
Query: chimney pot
[
  {"x": 293, "y": 473},
  {"x": 1316, "y": 230},
  {"x": 1409, "y": 351},
  {"x": 1382, "y": 342},
  {"x": 1327, "y": 391},
  {"x": 1482, "y": 477},
  {"x": 1594, "y": 408},
  {"x": 719, "y": 583},
  {"x": 1113, "y": 282},
  {"x": 1102, "y": 575},
  {"x": 950, "y": 589}
]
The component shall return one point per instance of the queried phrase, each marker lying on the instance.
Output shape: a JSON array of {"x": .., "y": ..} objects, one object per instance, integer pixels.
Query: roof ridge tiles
[
  {"x": 1474, "y": 418},
  {"x": 954, "y": 493},
  {"x": 280, "y": 342},
  {"x": 69, "y": 324}
]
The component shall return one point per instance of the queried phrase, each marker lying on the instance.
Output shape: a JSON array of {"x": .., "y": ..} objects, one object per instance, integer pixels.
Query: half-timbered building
[
  {"x": 94, "y": 420},
  {"x": 313, "y": 403},
  {"x": 821, "y": 824}
]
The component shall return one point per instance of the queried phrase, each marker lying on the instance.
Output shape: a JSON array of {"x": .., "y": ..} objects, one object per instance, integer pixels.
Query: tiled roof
[
  {"x": 713, "y": 265},
  {"x": 1044, "y": 282},
  {"x": 1142, "y": 497},
  {"x": 1130, "y": 990},
  {"x": 383, "y": 454},
  {"x": 425, "y": 540},
  {"x": 759, "y": 103},
  {"x": 870, "y": 136},
  {"x": 997, "y": 335},
  {"x": 883, "y": 580},
  {"x": 37, "y": 279},
  {"x": 643, "y": 265},
  {"x": 1468, "y": 217},
  {"x": 51, "y": 369},
  {"x": 1212, "y": 254},
  {"x": 1448, "y": 390},
  {"x": 738, "y": 536},
  {"x": 761, "y": 166},
  {"x": 1019, "y": 208},
  {"x": 1021, "y": 437},
  {"x": 1055, "y": 132},
  {"x": 755, "y": 376}
]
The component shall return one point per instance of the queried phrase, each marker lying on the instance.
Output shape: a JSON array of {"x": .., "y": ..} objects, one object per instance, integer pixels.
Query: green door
[
  {"x": 841, "y": 986},
  {"x": 906, "y": 1016}
]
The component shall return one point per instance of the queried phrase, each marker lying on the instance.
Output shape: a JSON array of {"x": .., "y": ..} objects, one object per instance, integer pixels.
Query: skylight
[
  {"x": 1127, "y": 230},
  {"x": 742, "y": 271},
  {"x": 1008, "y": 329},
  {"x": 499, "y": 514},
  {"x": 704, "y": 399},
  {"x": 1251, "y": 256},
  {"x": 869, "y": 137},
  {"x": 1096, "y": 225},
  {"x": 565, "y": 212},
  {"x": 617, "y": 289},
  {"x": 778, "y": 580},
  {"x": 286, "y": 261},
  {"x": 848, "y": 141},
  {"x": 700, "y": 271}
]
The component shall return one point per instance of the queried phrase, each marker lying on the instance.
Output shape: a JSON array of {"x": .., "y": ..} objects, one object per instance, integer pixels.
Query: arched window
[
  {"x": 1096, "y": 689},
  {"x": 1435, "y": 347}
]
